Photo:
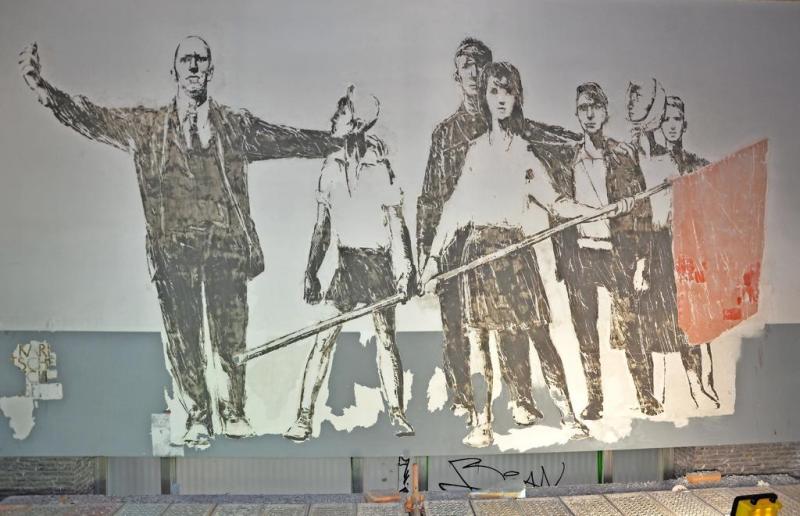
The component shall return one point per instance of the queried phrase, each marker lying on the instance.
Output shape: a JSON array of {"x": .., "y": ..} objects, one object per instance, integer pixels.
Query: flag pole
[{"x": 308, "y": 331}]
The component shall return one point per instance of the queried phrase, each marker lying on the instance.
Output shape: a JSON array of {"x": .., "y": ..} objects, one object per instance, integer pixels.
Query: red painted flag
[{"x": 718, "y": 242}]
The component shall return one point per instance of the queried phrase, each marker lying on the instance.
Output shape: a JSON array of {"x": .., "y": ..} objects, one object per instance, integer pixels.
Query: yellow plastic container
[{"x": 765, "y": 504}]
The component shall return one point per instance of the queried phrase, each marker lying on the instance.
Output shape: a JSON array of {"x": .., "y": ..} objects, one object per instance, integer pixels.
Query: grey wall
[
  {"x": 113, "y": 382},
  {"x": 71, "y": 225}
]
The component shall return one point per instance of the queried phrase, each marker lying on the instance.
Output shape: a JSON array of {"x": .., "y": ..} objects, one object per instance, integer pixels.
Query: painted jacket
[
  {"x": 687, "y": 162},
  {"x": 145, "y": 132},
  {"x": 624, "y": 178}
]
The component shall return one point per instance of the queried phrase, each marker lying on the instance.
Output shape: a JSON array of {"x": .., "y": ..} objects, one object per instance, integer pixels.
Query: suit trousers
[{"x": 201, "y": 279}]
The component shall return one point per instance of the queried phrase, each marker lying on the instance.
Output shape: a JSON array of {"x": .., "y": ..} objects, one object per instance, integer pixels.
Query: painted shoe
[
  {"x": 402, "y": 428},
  {"x": 593, "y": 411},
  {"x": 650, "y": 405},
  {"x": 524, "y": 416},
  {"x": 197, "y": 436},
  {"x": 301, "y": 429},
  {"x": 237, "y": 427},
  {"x": 577, "y": 429},
  {"x": 480, "y": 436}
]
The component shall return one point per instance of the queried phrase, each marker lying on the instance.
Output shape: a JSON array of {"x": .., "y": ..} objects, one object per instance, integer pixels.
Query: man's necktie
[{"x": 194, "y": 136}]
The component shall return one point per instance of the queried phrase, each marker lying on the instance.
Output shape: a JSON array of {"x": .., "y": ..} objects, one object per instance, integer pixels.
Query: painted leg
[
  {"x": 707, "y": 383},
  {"x": 692, "y": 358},
  {"x": 691, "y": 364},
  {"x": 390, "y": 371},
  {"x": 513, "y": 352},
  {"x": 556, "y": 380},
  {"x": 225, "y": 295},
  {"x": 179, "y": 294},
  {"x": 640, "y": 364},
  {"x": 481, "y": 377},
  {"x": 455, "y": 353},
  {"x": 584, "y": 309},
  {"x": 314, "y": 376}
]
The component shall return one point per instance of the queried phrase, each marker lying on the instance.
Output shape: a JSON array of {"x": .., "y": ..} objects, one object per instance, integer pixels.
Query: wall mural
[{"x": 599, "y": 267}]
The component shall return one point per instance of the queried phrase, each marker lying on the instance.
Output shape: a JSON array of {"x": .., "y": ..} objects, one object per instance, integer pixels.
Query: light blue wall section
[{"x": 113, "y": 382}]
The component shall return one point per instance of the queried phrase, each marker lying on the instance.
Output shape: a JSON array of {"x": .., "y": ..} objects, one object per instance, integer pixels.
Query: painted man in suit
[{"x": 191, "y": 159}]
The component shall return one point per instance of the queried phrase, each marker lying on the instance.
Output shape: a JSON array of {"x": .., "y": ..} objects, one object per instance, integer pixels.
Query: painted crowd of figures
[{"x": 493, "y": 178}]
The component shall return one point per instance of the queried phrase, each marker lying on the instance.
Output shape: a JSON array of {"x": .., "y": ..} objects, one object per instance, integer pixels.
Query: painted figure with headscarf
[{"x": 659, "y": 121}]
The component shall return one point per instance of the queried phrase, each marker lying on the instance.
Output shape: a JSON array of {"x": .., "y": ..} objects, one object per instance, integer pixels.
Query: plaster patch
[
  {"x": 408, "y": 382},
  {"x": 47, "y": 391},
  {"x": 19, "y": 411},
  {"x": 37, "y": 361},
  {"x": 364, "y": 413},
  {"x": 160, "y": 432},
  {"x": 437, "y": 391},
  {"x": 520, "y": 439}
]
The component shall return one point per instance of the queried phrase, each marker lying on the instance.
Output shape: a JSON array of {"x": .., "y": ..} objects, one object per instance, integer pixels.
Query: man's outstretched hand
[{"x": 31, "y": 70}]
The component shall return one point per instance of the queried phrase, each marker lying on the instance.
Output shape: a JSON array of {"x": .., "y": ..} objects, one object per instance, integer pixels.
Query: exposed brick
[
  {"x": 740, "y": 459},
  {"x": 47, "y": 475}
]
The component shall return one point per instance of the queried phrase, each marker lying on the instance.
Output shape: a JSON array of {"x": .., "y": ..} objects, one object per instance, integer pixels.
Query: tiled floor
[{"x": 695, "y": 502}]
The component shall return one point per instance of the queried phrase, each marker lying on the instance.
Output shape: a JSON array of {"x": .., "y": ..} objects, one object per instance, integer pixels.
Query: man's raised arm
[
  {"x": 263, "y": 140},
  {"x": 113, "y": 126}
]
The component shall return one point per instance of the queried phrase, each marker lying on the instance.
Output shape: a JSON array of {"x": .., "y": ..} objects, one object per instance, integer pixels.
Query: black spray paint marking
[
  {"x": 473, "y": 463},
  {"x": 403, "y": 473}
]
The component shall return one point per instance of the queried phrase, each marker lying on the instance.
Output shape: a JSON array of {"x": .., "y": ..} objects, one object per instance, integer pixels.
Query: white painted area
[
  {"x": 19, "y": 411},
  {"x": 437, "y": 390},
  {"x": 47, "y": 391},
  {"x": 408, "y": 383},
  {"x": 177, "y": 419},
  {"x": 160, "y": 427},
  {"x": 363, "y": 414}
]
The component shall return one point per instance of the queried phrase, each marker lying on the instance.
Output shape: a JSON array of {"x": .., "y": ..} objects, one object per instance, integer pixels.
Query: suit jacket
[
  {"x": 449, "y": 144},
  {"x": 144, "y": 132}
]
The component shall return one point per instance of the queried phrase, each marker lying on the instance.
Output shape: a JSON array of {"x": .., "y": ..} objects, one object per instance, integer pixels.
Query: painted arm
[
  {"x": 402, "y": 260},
  {"x": 451, "y": 219},
  {"x": 544, "y": 193},
  {"x": 262, "y": 141},
  {"x": 430, "y": 201},
  {"x": 320, "y": 242},
  {"x": 444, "y": 235},
  {"x": 113, "y": 126}
]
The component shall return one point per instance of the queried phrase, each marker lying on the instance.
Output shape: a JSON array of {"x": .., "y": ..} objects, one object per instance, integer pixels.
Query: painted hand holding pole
[{"x": 303, "y": 333}]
